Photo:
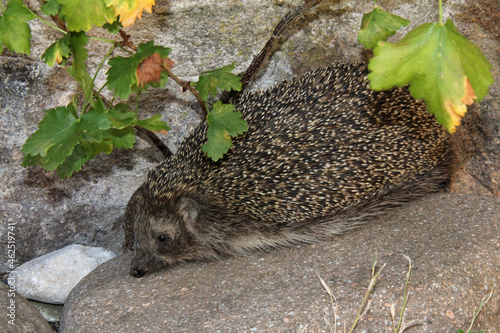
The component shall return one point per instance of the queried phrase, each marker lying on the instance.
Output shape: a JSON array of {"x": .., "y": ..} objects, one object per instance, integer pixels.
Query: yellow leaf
[
  {"x": 129, "y": 10},
  {"x": 58, "y": 57},
  {"x": 457, "y": 109},
  {"x": 469, "y": 95}
]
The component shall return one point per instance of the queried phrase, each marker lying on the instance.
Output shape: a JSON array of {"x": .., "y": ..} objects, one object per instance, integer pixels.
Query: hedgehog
[{"x": 323, "y": 154}]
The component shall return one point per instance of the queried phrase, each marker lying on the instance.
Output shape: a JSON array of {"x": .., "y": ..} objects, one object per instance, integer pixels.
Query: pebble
[{"x": 51, "y": 277}]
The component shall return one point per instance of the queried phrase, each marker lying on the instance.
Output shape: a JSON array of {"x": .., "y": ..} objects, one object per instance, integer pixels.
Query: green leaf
[
  {"x": 57, "y": 135},
  {"x": 81, "y": 15},
  {"x": 153, "y": 124},
  {"x": 122, "y": 72},
  {"x": 72, "y": 163},
  {"x": 121, "y": 76},
  {"x": 58, "y": 51},
  {"x": 51, "y": 7},
  {"x": 78, "y": 70},
  {"x": 31, "y": 160},
  {"x": 122, "y": 117},
  {"x": 95, "y": 123},
  {"x": 15, "y": 32},
  {"x": 92, "y": 149},
  {"x": 124, "y": 138},
  {"x": 441, "y": 66},
  {"x": 114, "y": 27},
  {"x": 65, "y": 141},
  {"x": 223, "y": 123},
  {"x": 221, "y": 78},
  {"x": 377, "y": 25}
]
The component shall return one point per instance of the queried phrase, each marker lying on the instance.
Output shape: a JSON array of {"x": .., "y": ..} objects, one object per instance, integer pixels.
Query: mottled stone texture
[
  {"x": 51, "y": 213},
  {"x": 453, "y": 241},
  {"x": 18, "y": 316}
]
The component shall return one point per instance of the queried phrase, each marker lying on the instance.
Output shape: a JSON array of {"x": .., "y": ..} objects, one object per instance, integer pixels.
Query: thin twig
[
  {"x": 151, "y": 136},
  {"x": 187, "y": 86},
  {"x": 126, "y": 41}
]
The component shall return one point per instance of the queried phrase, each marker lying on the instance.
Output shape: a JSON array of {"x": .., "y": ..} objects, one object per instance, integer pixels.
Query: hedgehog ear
[{"x": 189, "y": 211}]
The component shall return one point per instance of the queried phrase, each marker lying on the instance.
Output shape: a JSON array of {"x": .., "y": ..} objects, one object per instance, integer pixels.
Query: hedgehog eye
[{"x": 163, "y": 238}]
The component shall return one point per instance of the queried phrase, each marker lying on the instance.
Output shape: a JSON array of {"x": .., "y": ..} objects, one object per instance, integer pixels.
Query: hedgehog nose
[{"x": 137, "y": 272}]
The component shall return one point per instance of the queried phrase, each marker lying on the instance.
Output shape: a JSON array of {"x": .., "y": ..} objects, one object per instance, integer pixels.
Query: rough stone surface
[
  {"x": 25, "y": 317},
  {"x": 51, "y": 312},
  {"x": 203, "y": 35},
  {"x": 51, "y": 277},
  {"x": 453, "y": 241}
]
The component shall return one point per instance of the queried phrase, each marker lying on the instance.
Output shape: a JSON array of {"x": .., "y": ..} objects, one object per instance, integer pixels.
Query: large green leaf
[
  {"x": 57, "y": 135},
  {"x": 221, "y": 78},
  {"x": 223, "y": 123},
  {"x": 15, "y": 32},
  {"x": 441, "y": 66},
  {"x": 81, "y": 15},
  {"x": 78, "y": 69}
]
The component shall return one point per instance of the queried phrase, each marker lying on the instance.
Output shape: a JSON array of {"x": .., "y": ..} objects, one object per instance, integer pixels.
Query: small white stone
[{"x": 51, "y": 277}]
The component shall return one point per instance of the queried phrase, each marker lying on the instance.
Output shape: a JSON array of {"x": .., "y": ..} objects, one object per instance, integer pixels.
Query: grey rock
[
  {"x": 51, "y": 312},
  {"x": 51, "y": 277},
  {"x": 452, "y": 240},
  {"x": 18, "y": 316}
]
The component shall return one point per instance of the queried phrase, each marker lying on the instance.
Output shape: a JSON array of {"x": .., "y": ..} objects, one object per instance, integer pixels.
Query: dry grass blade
[
  {"x": 325, "y": 286},
  {"x": 334, "y": 304},
  {"x": 484, "y": 301},
  {"x": 367, "y": 294},
  {"x": 412, "y": 323}
]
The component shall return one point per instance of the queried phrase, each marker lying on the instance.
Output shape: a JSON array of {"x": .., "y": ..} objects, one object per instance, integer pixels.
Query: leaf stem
[
  {"x": 102, "y": 63},
  {"x": 110, "y": 41},
  {"x": 124, "y": 49},
  {"x": 47, "y": 22},
  {"x": 87, "y": 97},
  {"x": 441, "y": 12},
  {"x": 187, "y": 86}
]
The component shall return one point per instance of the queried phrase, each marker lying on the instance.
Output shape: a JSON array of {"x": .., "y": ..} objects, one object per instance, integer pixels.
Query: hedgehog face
[{"x": 165, "y": 237}]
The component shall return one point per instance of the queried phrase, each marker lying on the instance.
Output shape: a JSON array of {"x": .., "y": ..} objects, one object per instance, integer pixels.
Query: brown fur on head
[{"x": 165, "y": 233}]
